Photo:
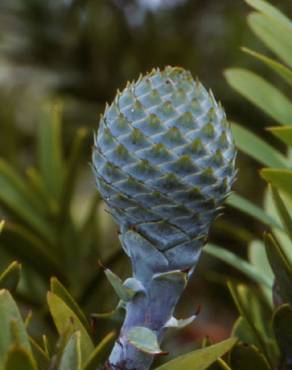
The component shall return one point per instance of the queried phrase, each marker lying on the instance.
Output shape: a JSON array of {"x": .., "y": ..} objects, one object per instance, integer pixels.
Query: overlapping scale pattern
[{"x": 164, "y": 159}]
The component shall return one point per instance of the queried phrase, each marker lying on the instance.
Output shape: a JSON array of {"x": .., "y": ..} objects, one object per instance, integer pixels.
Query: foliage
[
  {"x": 264, "y": 325},
  {"x": 73, "y": 47},
  {"x": 42, "y": 229},
  {"x": 46, "y": 236},
  {"x": 246, "y": 82},
  {"x": 75, "y": 348}
]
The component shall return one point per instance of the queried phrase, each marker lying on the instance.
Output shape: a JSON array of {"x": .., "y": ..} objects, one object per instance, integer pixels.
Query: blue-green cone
[{"x": 164, "y": 161}]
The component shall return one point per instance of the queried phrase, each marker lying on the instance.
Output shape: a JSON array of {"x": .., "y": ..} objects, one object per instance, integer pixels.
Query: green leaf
[
  {"x": 98, "y": 356},
  {"x": 284, "y": 133},
  {"x": 124, "y": 293},
  {"x": 219, "y": 364},
  {"x": 222, "y": 364},
  {"x": 200, "y": 359},
  {"x": 280, "y": 235},
  {"x": 257, "y": 148},
  {"x": 282, "y": 324},
  {"x": 256, "y": 313},
  {"x": 18, "y": 358},
  {"x": 37, "y": 185},
  {"x": 145, "y": 340},
  {"x": 20, "y": 201},
  {"x": 281, "y": 267},
  {"x": 238, "y": 263},
  {"x": 261, "y": 93},
  {"x": 9, "y": 315},
  {"x": 58, "y": 289},
  {"x": 279, "y": 178},
  {"x": 21, "y": 243},
  {"x": 275, "y": 35},
  {"x": 2, "y": 223},
  {"x": 244, "y": 205},
  {"x": 258, "y": 258},
  {"x": 50, "y": 149},
  {"x": 117, "y": 315},
  {"x": 40, "y": 355},
  {"x": 66, "y": 320},
  {"x": 280, "y": 69},
  {"x": 10, "y": 276},
  {"x": 283, "y": 213},
  {"x": 242, "y": 330},
  {"x": 71, "y": 173},
  {"x": 269, "y": 10},
  {"x": 245, "y": 357},
  {"x": 71, "y": 356}
]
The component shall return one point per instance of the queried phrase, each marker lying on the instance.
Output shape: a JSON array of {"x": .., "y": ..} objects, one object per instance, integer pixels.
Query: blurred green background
[{"x": 74, "y": 54}]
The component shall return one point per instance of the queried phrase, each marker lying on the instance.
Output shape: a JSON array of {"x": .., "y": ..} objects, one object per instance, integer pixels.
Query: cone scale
[{"x": 164, "y": 162}]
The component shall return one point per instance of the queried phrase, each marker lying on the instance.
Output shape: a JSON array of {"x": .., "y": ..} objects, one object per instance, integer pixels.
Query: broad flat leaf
[
  {"x": 281, "y": 267},
  {"x": 50, "y": 149},
  {"x": 2, "y": 223},
  {"x": 66, "y": 320},
  {"x": 239, "y": 263},
  {"x": 284, "y": 133},
  {"x": 200, "y": 359},
  {"x": 71, "y": 356},
  {"x": 276, "y": 35},
  {"x": 219, "y": 364},
  {"x": 9, "y": 314},
  {"x": 283, "y": 213},
  {"x": 282, "y": 70},
  {"x": 58, "y": 289},
  {"x": 245, "y": 357},
  {"x": 244, "y": 205},
  {"x": 10, "y": 276},
  {"x": 257, "y": 148},
  {"x": 258, "y": 258},
  {"x": 279, "y": 178},
  {"x": 98, "y": 356},
  {"x": 19, "y": 200},
  {"x": 18, "y": 358},
  {"x": 282, "y": 324},
  {"x": 269, "y": 10},
  {"x": 261, "y": 93},
  {"x": 145, "y": 340}
]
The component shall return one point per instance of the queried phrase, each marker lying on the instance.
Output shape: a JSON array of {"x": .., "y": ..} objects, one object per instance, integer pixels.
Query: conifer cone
[{"x": 164, "y": 161}]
